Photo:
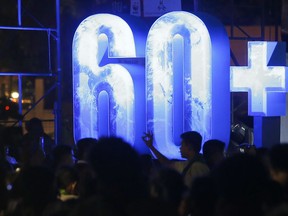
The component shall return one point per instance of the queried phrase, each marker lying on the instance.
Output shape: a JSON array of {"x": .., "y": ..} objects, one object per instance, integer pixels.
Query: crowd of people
[{"x": 107, "y": 177}]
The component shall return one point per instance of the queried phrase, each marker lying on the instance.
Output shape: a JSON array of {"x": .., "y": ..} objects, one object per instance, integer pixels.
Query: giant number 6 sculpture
[{"x": 90, "y": 79}]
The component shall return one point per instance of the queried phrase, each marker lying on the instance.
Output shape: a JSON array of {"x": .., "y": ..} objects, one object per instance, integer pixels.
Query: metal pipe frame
[
  {"x": 58, "y": 107},
  {"x": 20, "y": 90},
  {"x": 36, "y": 74},
  {"x": 27, "y": 28},
  {"x": 55, "y": 33},
  {"x": 34, "y": 105},
  {"x": 52, "y": 31},
  {"x": 196, "y": 6},
  {"x": 248, "y": 37},
  {"x": 19, "y": 12}
]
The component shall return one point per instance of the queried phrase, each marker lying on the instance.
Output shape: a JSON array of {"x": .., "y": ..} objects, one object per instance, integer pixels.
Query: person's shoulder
[
  {"x": 179, "y": 161},
  {"x": 199, "y": 165},
  {"x": 179, "y": 164}
]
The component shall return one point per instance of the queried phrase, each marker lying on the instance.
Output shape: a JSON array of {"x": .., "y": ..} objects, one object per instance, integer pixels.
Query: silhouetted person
[
  {"x": 213, "y": 152},
  {"x": 62, "y": 155},
  {"x": 83, "y": 147},
  {"x": 262, "y": 154},
  {"x": 202, "y": 198},
  {"x": 67, "y": 182},
  {"x": 240, "y": 182},
  {"x": 148, "y": 165},
  {"x": 190, "y": 148},
  {"x": 118, "y": 172},
  {"x": 279, "y": 164},
  {"x": 5, "y": 170},
  {"x": 36, "y": 132},
  {"x": 167, "y": 187},
  {"x": 36, "y": 190},
  {"x": 37, "y": 145},
  {"x": 83, "y": 168}
]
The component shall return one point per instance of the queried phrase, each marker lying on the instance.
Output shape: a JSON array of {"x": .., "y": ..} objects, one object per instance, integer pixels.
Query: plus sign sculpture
[{"x": 265, "y": 82}]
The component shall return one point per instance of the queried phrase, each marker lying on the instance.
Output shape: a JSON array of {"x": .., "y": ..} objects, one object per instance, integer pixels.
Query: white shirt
[{"x": 197, "y": 169}]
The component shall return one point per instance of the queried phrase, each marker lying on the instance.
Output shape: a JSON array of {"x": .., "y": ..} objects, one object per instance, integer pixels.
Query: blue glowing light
[
  {"x": 205, "y": 79},
  {"x": 90, "y": 42},
  {"x": 265, "y": 83}
]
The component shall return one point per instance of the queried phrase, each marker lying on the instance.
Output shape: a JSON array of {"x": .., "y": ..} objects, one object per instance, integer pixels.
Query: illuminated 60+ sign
[{"x": 187, "y": 79}]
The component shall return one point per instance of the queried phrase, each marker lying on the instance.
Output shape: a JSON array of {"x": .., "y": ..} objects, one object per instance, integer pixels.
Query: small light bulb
[{"x": 15, "y": 95}]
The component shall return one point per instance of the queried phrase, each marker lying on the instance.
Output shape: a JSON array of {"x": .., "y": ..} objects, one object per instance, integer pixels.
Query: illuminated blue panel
[
  {"x": 90, "y": 42},
  {"x": 205, "y": 85},
  {"x": 266, "y": 84}
]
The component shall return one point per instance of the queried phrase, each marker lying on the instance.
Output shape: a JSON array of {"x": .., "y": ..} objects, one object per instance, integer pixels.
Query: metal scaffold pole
[
  {"x": 58, "y": 105},
  {"x": 19, "y": 12},
  {"x": 196, "y": 5},
  {"x": 54, "y": 60}
]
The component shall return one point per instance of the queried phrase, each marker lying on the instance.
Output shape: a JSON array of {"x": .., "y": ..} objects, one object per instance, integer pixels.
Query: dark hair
[
  {"x": 118, "y": 168},
  {"x": 59, "y": 152},
  {"x": 278, "y": 157},
  {"x": 168, "y": 186},
  {"x": 65, "y": 175},
  {"x": 34, "y": 124},
  {"x": 83, "y": 145},
  {"x": 213, "y": 146},
  {"x": 241, "y": 183},
  {"x": 193, "y": 139}
]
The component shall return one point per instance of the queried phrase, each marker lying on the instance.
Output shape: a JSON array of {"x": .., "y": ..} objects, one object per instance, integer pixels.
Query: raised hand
[{"x": 148, "y": 139}]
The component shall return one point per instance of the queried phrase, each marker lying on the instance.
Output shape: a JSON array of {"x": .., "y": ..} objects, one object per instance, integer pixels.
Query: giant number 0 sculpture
[{"x": 205, "y": 79}]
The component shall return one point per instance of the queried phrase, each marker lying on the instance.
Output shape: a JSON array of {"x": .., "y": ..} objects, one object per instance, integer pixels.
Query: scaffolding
[
  {"x": 53, "y": 33},
  {"x": 231, "y": 12},
  {"x": 261, "y": 24}
]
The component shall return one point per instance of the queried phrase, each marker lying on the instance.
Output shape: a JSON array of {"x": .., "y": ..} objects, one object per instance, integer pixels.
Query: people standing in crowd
[
  {"x": 35, "y": 133},
  {"x": 167, "y": 187},
  {"x": 243, "y": 187},
  {"x": 83, "y": 168},
  {"x": 213, "y": 152},
  {"x": 194, "y": 165},
  {"x": 111, "y": 178},
  {"x": 36, "y": 144},
  {"x": 279, "y": 164},
  {"x": 83, "y": 147},
  {"x": 62, "y": 155},
  {"x": 32, "y": 191},
  {"x": 5, "y": 169},
  {"x": 67, "y": 182}
]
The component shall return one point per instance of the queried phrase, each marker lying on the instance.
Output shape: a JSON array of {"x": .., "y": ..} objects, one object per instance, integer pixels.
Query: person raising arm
[
  {"x": 148, "y": 140},
  {"x": 194, "y": 165}
]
